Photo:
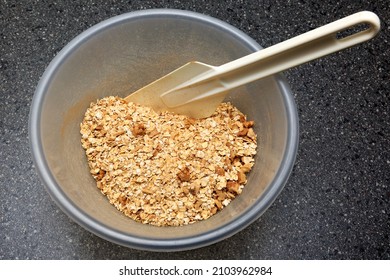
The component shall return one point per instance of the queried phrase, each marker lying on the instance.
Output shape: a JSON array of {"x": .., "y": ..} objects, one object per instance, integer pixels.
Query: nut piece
[
  {"x": 189, "y": 122},
  {"x": 100, "y": 175},
  {"x": 219, "y": 171},
  {"x": 243, "y": 132},
  {"x": 218, "y": 204},
  {"x": 139, "y": 129},
  {"x": 233, "y": 186},
  {"x": 184, "y": 175},
  {"x": 248, "y": 124},
  {"x": 241, "y": 177}
]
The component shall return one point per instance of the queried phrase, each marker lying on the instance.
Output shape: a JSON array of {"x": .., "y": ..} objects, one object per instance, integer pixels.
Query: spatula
[{"x": 196, "y": 89}]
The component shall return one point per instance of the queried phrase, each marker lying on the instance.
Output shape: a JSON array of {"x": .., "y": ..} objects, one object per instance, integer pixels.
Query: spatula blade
[{"x": 150, "y": 95}]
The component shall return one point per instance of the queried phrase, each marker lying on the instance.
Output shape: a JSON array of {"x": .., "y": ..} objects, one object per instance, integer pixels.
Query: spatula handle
[
  {"x": 330, "y": 38},
  {"x": 298, "y": 50}
]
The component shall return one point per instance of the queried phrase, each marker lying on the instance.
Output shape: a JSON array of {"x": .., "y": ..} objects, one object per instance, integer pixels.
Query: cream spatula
[{"x": 196, "y": 89}]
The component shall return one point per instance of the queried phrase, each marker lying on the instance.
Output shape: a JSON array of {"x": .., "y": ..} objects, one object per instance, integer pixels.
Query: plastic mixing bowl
[{"x": 120, "y": 55}]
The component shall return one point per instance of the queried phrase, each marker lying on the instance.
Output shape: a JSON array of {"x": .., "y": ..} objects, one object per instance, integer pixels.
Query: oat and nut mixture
[{"x": 166, "y": 169}]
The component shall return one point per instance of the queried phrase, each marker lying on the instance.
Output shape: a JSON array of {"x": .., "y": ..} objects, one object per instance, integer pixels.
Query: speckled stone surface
[{"x": 336, "y": 204}]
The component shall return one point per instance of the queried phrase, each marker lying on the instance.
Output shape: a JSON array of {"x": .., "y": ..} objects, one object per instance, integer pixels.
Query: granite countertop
[{"x": 336, "y": 204}]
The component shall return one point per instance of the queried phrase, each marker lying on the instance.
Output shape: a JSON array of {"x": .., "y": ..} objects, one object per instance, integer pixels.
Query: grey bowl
[{"x": 120, "y": 55}]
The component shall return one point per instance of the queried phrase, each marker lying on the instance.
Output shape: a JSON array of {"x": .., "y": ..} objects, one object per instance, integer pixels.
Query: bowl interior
[{"x": 119, "y": 56}]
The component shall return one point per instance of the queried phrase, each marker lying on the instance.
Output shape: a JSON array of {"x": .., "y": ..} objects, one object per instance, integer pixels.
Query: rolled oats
[{"x": 166, "y": 169}]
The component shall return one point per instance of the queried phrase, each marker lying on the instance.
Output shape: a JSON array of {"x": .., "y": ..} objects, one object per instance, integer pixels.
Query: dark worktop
[{"x": 336, "y": 204}]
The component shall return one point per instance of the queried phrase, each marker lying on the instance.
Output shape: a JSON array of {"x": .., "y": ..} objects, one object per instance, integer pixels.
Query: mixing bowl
[{"x": 120, "y": 55}]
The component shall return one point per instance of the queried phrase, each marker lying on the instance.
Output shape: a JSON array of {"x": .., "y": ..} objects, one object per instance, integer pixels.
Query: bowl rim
[{"x": 105, "y": 232}]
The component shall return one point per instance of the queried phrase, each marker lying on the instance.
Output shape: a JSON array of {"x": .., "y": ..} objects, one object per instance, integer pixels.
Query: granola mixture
[{"x": 166, "y": 169}]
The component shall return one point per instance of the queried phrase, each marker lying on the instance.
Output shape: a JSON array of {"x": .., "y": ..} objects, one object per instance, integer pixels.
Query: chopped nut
[
  {"x": 139, "y": 129},
  {"x": 248, "y": 124},
  {"x": 122, "y": 199},
  {"x": 241, "y": 177},
  {"x": 184, "y": 175},
  {"x": 100, "y": 175},
  {"x": 219, "y": 171},
  {"x": 218, "y": 204},
  {"x": 189, "y": 122},
  {"x": 243, "y": 132},
  {"x": 156, "y": 150},
  {"x": 246, "y": 168},
  {"x": 233, "y": 186},
  {"x": 221, "y": 195}
]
